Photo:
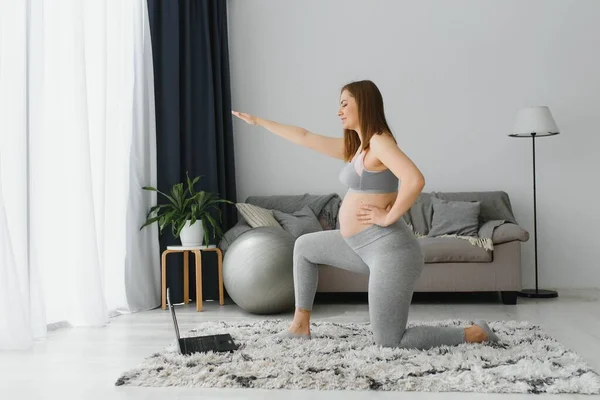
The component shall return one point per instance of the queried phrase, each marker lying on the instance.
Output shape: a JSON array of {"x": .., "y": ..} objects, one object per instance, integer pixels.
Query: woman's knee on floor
[
  {"x": 401, "y": 339},
  {"x": 401, "y": 344},
  {"x": 386, "y": 343},
  {"x": 388, "y": 339}
]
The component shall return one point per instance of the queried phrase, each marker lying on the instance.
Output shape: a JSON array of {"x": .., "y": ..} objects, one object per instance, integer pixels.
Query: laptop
[{"x": 201, "y": 344}]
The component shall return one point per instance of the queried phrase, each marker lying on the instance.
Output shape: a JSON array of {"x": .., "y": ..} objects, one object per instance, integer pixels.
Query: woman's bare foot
[
  {"x": 475, "y": 334},
  {"x": 299, "y": 328},
  {"x": 301, "y": 323}
]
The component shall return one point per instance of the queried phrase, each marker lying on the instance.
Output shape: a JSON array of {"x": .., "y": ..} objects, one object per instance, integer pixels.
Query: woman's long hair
[{"x": 371, "y": 116}]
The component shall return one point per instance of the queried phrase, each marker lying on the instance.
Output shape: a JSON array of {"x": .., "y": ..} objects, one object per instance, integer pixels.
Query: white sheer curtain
[
  {"x": 82, "y": 135},
  {"x": 21, "y": 307}
]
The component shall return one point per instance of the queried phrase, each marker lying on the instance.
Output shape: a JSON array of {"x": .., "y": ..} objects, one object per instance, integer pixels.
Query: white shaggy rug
[{"x": 342, "y": 356}]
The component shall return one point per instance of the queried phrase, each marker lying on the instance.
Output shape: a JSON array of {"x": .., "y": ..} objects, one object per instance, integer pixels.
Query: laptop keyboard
[{"x": 200, "y": 344}]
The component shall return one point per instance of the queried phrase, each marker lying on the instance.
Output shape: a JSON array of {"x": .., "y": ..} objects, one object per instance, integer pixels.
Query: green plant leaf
[
  {"x": 219, "y": 201},
  {"x": 156, "y": 210},
  {"x": 166, "y": 219},
  {"x": 192, "y": 199},
  {"x": 214, "y": 224},
  {"x": 178, "y": 227},
  {"x": 205, "y": 229},
  {"x": 156, "y": 190},
  {"x": 149, "y": 222},
  {"x": 201, "y": 200},
  {"x": 178, "y": 195},
  {"x": 196, "y": 179},
  {"x": 190, "y": 187},
  {"x": 194, "y": 213},
  {"x": 211, "y": 220},
  {"x": 191, "y": 183}
]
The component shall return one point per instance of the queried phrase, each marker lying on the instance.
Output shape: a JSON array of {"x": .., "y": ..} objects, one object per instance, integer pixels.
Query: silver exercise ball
[{"x": 258, "y": 270}]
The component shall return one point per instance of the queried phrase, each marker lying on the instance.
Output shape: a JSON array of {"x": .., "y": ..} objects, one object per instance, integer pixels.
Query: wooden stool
[{"x": 186, "y": 273}]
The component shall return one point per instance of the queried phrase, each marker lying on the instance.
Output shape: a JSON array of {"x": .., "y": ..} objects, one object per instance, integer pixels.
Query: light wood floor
[{"x": 84, "y": 363}]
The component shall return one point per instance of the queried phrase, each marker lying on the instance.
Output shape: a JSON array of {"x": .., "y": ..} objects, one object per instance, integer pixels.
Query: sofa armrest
[{"x": 509, "y": 232}]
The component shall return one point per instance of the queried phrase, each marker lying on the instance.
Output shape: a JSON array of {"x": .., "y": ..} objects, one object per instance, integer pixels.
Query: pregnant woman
[{"x": 373, "y": 239}]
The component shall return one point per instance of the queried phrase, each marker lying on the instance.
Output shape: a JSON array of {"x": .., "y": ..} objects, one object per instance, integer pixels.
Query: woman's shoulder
[{"x": 383, "y": 139}]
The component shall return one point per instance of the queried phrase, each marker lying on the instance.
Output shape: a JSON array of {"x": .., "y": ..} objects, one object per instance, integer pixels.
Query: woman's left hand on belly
[{"x": 371, "y": 214}]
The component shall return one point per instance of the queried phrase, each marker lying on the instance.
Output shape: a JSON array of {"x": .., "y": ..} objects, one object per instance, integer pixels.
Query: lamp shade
[{"x": 534, "y": 121}]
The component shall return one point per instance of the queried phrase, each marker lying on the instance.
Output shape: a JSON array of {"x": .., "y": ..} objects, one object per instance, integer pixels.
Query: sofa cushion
[
  {"x": 454, "y": 218},
  {"x": 495, "y": 205},
  {"x": 420, "y": 213},
  {"x": 449, "y": 249},
  {"x": 299, "y": 222},
  {"x": 324, "y": 206},
  {"x": 257, "y": 216}
]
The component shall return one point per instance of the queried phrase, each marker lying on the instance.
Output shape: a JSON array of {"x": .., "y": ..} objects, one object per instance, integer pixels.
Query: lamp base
[{"x": 538, "y": 294}]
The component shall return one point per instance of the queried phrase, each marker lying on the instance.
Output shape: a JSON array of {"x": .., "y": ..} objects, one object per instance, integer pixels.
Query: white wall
[{"x": 452, "y": 74}]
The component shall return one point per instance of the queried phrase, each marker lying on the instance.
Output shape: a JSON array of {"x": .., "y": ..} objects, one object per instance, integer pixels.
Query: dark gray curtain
[{"x": 193, "y": 117}]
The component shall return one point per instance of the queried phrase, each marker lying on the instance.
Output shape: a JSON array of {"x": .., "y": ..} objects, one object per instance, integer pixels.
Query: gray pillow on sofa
[
  {"x": 299, "y": 222},
  {"x": 454, "y": 218}
]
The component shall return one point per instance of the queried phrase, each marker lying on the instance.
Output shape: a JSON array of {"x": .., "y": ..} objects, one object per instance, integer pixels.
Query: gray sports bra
[{"x": 362, "y": 180}]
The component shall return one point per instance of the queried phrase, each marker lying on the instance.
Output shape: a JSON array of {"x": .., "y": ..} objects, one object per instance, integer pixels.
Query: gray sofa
[{"x": 487, "y": 262}]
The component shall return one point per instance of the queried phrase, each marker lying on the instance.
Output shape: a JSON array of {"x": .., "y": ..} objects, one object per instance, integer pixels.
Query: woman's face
[{"x": 348, "y": 112}]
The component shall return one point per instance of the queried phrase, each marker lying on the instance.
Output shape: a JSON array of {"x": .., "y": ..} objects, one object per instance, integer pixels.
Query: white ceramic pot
[{"x": 192, "y": 235}]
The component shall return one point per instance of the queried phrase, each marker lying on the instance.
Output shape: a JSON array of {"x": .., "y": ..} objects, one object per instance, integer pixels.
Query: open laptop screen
[{"x": 172, "y": 310}]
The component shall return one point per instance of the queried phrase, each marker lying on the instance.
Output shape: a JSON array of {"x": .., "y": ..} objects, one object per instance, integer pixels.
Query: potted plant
[{"x": 188, "y": 212}]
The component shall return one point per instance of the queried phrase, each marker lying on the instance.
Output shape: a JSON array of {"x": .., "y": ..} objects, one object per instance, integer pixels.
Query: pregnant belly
[{"x": 348, "y": 214}]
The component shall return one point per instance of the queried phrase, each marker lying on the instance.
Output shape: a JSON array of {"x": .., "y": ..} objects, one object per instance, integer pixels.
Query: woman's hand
[
  {"x": 370, "y": 214},
  {"x": 250, "y": 119}
]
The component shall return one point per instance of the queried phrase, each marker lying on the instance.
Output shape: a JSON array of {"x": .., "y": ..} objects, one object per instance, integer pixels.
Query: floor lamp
[{"x": 532, "y": 122}]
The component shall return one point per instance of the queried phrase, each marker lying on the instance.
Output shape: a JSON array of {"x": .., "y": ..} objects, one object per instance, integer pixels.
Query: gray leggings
[{"x": 393, "y": 259}]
